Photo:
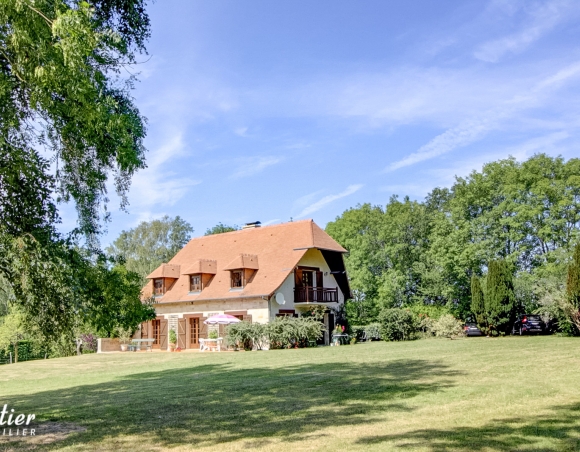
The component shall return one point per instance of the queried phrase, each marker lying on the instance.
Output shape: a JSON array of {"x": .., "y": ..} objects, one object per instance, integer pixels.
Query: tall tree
[
  {"x": 151, "y": 243},
  {"x": 478, "y": 302},
  {"x": 61, "y": 90},
  {"x": 499, "y": 297}
]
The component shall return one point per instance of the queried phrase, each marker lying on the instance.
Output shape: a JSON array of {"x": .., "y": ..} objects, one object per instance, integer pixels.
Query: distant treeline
[{"x": 412, "y": 252}]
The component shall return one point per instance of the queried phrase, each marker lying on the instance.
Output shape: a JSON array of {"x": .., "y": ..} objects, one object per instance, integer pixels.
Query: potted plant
[
  {"x": 172, "y": 340},
  {"x": 124, "y": 338},
  {"x": 213, "y": 334}
]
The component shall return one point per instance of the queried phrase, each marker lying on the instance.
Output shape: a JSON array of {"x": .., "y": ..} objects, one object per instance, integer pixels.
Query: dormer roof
[
  {"x": 249, "y": 261},
  {"x": 165, "y": 271},
  {"x": 205, "y": 266}
]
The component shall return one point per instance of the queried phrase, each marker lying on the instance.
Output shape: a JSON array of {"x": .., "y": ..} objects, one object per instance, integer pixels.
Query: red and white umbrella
[{"x": 221, "y": 319}]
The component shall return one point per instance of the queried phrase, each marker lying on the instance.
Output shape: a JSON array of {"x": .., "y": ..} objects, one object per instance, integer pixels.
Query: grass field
[{"x": 474, "y": 394}]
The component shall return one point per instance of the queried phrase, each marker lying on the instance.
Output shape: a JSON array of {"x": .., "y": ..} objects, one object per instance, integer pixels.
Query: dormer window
[
  {"x": 237, "y": 279},
  {"x": 158, "y": 287},
  {"x": 195, "y": 283}
]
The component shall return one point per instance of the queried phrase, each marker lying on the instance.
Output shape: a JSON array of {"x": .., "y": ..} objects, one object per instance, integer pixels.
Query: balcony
[{"x": 308, "y": 294}]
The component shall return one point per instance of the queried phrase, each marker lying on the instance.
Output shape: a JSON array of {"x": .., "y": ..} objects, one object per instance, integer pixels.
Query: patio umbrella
[{"x": 221, "y": 319}]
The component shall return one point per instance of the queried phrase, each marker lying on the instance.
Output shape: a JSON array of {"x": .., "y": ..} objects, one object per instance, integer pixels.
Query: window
[
  {"x": 194, "y": 328},
  {"x": 195, "y": 283},
  {"x": 158, "y": 287},
  {"x": 237, "y": 279},
  {"x": 156, "y": 331}
]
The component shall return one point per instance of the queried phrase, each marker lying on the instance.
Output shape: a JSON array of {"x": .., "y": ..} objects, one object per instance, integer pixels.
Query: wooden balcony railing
[{"x": 309, "y": 294}]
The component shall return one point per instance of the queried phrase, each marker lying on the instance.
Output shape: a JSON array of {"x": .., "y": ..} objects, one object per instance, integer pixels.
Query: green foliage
[
  {"x": 60, "y": 92},
  {"x": 478, "y": 302},
  {"x": 220, "y": 228},
  {"x": 408, "y": 252},
  {"x": 499, "y": 297},
  {"x": 213, "y": 334},
  {"x": 314, "y": 313},
  {"x": 151, "y": 243},
  {"x": 172, "y": 337},
  {"x": 397, "y": 324},
  {"x": 246, "y": 335},
  {"x": 448, "y": 326},
  {"x": 58, "y": 65},
  {"x": 12, "y": 331},
  {"x": 292, "y": 332}
]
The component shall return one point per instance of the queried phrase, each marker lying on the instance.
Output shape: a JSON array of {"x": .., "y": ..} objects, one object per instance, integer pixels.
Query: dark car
[
  {"x": 471, "y": 329},
  {"x": 529, "y": 323}
]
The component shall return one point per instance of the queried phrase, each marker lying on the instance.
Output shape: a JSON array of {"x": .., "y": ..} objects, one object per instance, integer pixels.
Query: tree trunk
[
  {"x": 15, "y": 352},
  {"x": 79, "y": 346}
]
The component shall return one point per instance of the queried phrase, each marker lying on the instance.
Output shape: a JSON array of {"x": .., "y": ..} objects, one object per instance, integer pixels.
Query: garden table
[
  {"x": 210, "y": 344},
  {"x": 136, "y": 344}
]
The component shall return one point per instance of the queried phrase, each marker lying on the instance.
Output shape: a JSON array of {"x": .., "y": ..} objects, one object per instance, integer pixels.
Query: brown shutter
[
  {"x": 163, "y": 335},
  {"x": 202, "y": 328},
  {"x": 247, "y": 318},
  {"x": 187, "y": 333},
  {"x": 181, "y": 335},
  {"x": 298, "y": 277},
  {"x": 319, "y": 279}
]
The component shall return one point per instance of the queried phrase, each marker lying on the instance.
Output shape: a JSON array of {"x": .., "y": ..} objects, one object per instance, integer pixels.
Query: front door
[{"x": 194, "y": 332}]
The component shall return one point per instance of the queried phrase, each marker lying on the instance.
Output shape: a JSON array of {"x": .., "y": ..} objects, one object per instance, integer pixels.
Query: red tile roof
[{"x": 279, "y": 248}]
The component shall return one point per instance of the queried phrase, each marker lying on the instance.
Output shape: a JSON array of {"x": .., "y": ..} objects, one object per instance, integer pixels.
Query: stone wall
[{"x": 108, "y": 345}]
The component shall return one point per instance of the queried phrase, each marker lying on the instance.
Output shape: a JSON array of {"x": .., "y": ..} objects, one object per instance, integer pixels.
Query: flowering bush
[
  {"x": 89, "y": 343},
  {"x": 448, "y": 326}
]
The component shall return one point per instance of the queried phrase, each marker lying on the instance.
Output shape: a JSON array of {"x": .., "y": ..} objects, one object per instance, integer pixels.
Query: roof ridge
[{"x": 288, "y": 223}]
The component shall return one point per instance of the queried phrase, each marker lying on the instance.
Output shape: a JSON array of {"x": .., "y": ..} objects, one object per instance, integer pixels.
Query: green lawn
[{"x": 520, "y": 393}]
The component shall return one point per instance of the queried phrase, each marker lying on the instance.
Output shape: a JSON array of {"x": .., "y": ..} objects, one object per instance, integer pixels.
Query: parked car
[
  {"x": 529, "y": 323},
  {"x": 471, "y": 329}
]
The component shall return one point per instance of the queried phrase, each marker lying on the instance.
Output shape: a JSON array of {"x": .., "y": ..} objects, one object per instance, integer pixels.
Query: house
[{"x": 255, "y": 274}]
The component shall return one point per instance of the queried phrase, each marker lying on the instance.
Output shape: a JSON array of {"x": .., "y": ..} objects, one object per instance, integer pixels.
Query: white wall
[{"x": 312, "y": 258}]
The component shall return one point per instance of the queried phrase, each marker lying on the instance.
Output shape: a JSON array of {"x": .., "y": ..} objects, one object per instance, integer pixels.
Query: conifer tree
[
  {"x": 477, "y": 302},
  {"x": 499, "y": 297}
]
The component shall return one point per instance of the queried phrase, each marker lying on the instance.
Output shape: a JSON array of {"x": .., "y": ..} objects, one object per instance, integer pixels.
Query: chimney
[{"x": 255, "y": 224}]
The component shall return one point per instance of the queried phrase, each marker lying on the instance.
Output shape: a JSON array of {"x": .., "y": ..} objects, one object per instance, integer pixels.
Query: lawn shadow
[
  {"x": 561, "y": 431},
  {"x": 206, "y": 405}
]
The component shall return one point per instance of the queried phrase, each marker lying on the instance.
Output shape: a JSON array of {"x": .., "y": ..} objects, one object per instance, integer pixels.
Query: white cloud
[
  {"x": 540, "y": 19},
  {"x": 328, "y": 199},
  {"x": 158, "y": 184},
  {"x": 474, "y": 129},
  {"x": 250, "y": 166}
]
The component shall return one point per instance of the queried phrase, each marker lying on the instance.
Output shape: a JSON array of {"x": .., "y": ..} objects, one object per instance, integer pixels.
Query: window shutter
[
  {"x": 298, "y": 277},
  {"x": 202, "y": 328},
  {"x": 181, "y": 335},
  {"x": 247, "y": 318},
  {"x": 163, "y": 335}
]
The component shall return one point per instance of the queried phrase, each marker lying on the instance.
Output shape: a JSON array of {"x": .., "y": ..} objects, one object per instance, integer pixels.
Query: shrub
[
  {"x": 371, "y": 332},
  {"x": 291, "y": 332},
  {"x": 448, "y": 326},
  {"x": 246, "y": 335},
  {"x": 397, "y": 325}
]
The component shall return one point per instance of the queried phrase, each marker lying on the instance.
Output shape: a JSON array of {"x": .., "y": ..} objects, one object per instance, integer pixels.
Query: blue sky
[{"x": 267, "y": 110}]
